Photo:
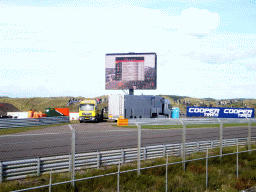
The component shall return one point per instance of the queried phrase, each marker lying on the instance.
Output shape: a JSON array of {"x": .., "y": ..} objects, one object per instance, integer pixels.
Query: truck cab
[{"x": 89, "y": 111}]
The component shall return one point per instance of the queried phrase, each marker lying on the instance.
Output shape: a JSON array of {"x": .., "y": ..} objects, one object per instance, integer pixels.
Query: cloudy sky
[{"x": 205, "y": 48}]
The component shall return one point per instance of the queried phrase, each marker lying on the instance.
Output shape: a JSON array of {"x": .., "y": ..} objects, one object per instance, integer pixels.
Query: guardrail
[
  {"x": 11, "y": 170},
  {"x": 29, "y": 122},
  {"x": 170, "y": 121}
]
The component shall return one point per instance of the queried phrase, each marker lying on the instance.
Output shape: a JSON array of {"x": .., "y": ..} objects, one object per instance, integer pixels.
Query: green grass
[
  {"x": 188, "y": 126},
  {"x": 25, "y": 129},
  {"x": 251, "y": 103},
  {"x": 40, "y": 103},
  {"x": 221, "y": 176}
]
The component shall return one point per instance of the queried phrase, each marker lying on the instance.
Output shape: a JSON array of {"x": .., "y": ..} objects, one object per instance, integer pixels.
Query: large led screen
[{"x": 130, "y": 71}]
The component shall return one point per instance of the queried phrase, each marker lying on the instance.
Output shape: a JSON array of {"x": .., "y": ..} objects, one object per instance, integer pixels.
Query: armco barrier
[
  {"x": 11, "y": 170},
  {"x": 28, "y": 122}
]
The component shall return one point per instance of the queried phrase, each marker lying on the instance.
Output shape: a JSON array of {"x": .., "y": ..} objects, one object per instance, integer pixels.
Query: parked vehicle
[{"x": 89, "y": 111}]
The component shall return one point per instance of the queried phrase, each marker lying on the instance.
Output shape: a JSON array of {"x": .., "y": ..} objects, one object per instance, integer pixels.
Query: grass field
[
  {"x": 188, "y": 126},
  {"x": 240, "y": 103},
  {"x": 25, "y": 129},
  {"x": 221, "y": 176},
  {"x": 40, "y": 103}
]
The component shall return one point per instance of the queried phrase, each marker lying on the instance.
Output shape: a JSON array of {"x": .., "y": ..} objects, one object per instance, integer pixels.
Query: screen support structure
[
  {"x": 131, "y": 91},
  {"x": 125, "y": 92}
]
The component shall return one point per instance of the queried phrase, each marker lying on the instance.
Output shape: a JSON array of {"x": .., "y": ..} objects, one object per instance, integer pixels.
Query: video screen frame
[{"x": 131, "y": 71}]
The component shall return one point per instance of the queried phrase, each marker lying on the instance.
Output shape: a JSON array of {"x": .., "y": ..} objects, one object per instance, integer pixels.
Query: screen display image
[{"x": 130, "y": 71}]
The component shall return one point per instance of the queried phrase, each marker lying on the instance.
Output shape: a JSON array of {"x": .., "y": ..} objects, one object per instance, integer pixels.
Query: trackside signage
[{"x": 221, "y": 112}]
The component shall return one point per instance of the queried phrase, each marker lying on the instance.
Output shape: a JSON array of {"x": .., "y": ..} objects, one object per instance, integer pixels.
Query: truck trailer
[{"x": 138, "y": 106}]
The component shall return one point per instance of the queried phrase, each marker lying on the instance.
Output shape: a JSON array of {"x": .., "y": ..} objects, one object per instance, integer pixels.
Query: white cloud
[
  {"x": 222, "y": 57},
  {"x": 222, "y": 48},
  {"x": 196, "y": 21},
  {"x": 251, "y": 66},
  {"x": 58, "y": 50}
]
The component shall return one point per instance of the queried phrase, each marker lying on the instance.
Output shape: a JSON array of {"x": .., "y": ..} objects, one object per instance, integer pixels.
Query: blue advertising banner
[{"x": 221, "y": 112}]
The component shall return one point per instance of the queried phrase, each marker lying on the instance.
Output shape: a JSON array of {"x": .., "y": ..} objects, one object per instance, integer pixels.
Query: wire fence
[
  {"x": 72, "y": 181},
  {"x": 83, "y": 146}
]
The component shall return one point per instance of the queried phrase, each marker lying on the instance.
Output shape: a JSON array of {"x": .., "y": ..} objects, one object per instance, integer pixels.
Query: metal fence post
[
  {"x": 98, "y": 159},
  {"x": 118, "y": 177},
  {"x": 206, "y": 169},
  {"x": 249, "y": 134},
  {"x": 50, "y": 184},
  {"x": 73, "y": 149},
  {"x": 184, "y": 145},
  {"x": 70, "y": 162},
  {"x": 1, "y": 172},
  {"x": 139, "y": 148},
  {"x": 221, "y": 135},
  {"x": 166, "y": 176},
  {"x": 197, "y": 146},
  {"x": 164, "y": 150},
  {"x": 73, "y": 155},
  {"x": 123, "y": 156},
  {"x": 38, "y": 166},
  {"x": 145, "y": 153},
  {"x": 237, "y": 158}
]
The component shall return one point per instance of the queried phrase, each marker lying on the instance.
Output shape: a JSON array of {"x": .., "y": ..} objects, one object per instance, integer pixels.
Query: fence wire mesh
[{"x": 93, "y": 145}]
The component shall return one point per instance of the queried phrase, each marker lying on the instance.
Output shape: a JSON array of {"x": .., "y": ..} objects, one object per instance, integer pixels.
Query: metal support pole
[
  {"x": 73, "y": 149},
  {"x": 145, "y": 153},
  {"x": 221, "y": 135},
  {"x": 70, "y": 162},
  {"x": 50, "y": 184},
  {"x": 123, "y": 156},
  {"x": 98, "y": 159},
  {"x": 183, "y": 146},
  {"x": 118, "y": 177},
  {"x": 249, "y": 134},
  {"x": 206, "y": 169},
  {"x": 73, "y": 155},
  {"x": 166, "y": 176},
  {"x": 139, "y": 148},
  {"x": 237, "y": 158},
  {"x": 164, "y": 150},
  {"x": 38, "y": 166}
]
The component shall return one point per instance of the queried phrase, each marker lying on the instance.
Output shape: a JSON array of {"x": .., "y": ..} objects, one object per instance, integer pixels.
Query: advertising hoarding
[
  {"x": 220, "y": 112},
  {"x": 130, "y": 71}
]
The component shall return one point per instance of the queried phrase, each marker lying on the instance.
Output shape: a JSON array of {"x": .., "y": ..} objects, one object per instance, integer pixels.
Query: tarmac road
[{"x": 91, "y": 137}]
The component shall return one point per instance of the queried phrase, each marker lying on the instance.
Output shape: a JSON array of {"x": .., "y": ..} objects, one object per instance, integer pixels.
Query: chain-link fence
[{"x": 68, "y": 148}]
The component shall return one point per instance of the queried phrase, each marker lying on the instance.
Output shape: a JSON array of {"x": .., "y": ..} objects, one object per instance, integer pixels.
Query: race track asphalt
[{"x": 91, "y": 137}]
